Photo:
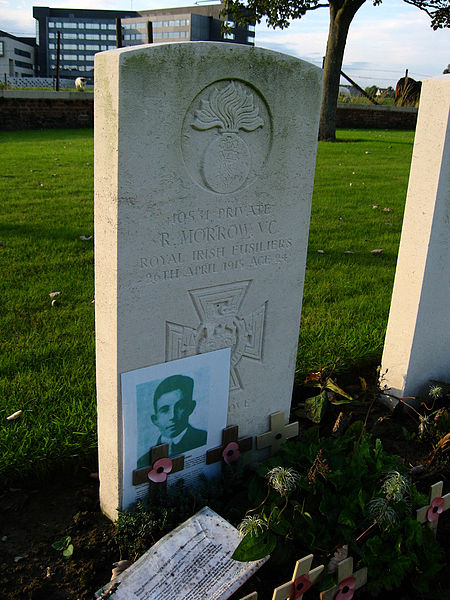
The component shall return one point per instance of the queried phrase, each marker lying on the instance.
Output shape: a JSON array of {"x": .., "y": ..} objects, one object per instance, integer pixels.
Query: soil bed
[{"x": 33, "y": 516}]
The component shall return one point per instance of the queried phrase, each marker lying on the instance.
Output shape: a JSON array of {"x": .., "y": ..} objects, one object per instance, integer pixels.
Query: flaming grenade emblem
[{"x": 227, "y": 159}]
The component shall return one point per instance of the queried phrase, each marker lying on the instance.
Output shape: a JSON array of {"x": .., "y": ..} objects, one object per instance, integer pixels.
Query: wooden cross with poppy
[
  {"x": 302, "y": 579},
  {"x": 161, "y": 466},
  {"x": 231, "y": 447},
  {"x": 348, "y": 582},
  {"x": 438, "y": 505},
  {"x": 278, "y": 434}
]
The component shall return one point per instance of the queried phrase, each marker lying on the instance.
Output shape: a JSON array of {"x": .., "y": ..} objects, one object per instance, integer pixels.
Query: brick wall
[
  {"x": 30, "y": 109},
  {"x": 369, "y": 116}
]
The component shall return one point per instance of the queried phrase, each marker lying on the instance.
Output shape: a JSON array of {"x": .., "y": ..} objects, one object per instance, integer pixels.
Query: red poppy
[
  {"x": 231, "y": 452},
  {"x": 346, "y": 588},
  {"x": 436, "y": 507},
  {"x": 161, "y": 468},
  {"x": 301, "y": 585}
]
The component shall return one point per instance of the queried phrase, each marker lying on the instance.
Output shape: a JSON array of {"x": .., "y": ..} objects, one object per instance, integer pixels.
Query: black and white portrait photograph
[{"x": 181, "y": 403}]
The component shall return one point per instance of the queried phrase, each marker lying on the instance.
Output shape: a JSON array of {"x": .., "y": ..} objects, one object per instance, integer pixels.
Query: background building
[
  {"x": 17, "y": 56},
  {"x": 85, "y": 32}
]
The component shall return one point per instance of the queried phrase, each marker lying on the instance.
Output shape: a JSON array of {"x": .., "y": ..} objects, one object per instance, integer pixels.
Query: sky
[{"x": 383, "y": 40}]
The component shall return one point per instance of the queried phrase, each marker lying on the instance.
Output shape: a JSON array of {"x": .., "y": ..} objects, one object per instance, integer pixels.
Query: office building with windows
[
  {"x": 83, "y": 33},
  {"x": 17, "y": 56}
]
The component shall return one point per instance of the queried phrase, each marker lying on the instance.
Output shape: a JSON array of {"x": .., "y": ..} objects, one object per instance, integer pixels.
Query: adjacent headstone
[
  {"x": 193, "y": 562},
  {"x": 418, "y": 334},
  {"x": 204, "y": 167}
]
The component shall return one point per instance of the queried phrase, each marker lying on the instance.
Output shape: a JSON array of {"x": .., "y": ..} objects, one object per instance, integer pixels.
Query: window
[
  {"x": 92, "y": 36},
  {"x": 22, "y": 53},
  {"x": 51, "y": 36},
  {"x": 157, "y": 35},
  {"x": 165, "y": 23},
  {"x": 23, "y": 65},
  {"x": 80, "y": 25},
  {"x": 92, "y": 26},
  {"x": 112, "y": 26},
  {"x": 182, "y": 22},
  {"x": 166, "y": 34},
  {"x": 187, "y": 21},
  {"x": 103, "y": 47},
  {"x": 183, "y": 34},
  {"x": 81, "y": 36},
  {"x": 70, "y": 36},
  {"x": 228, "y": 36},
  {"x": 70, "y": 46},
  {"x": 251, "y": 27},
  {"x": 250, "y": 40},
  {"x": 103, "y": 26},
  {"x": 229, "y": 24},
  {"x": 53, "y": 56},
  {"x": 69, "y": 25},
  {"x": 157, "y": 23},
  {"x": 51, "y": 24},
  {"x": 80, "y": 46},
  {"x": 174, "y": 23},
  {"x": 81, "y": 57},
  {"x": 92, "y": 47},
  {"x": 81, "y": 67},
  {"x": 103, "y": 36},
  {"x": 89, "y": 59},
  {"x": 174, "y": 34},
  {"x": 2, "y": 48},
  {"x": 52, "y": 46},
  {"x": 70, "y": 57},
  {"x": 112, "y": 38},
  {"x": 58, "y": 25}
]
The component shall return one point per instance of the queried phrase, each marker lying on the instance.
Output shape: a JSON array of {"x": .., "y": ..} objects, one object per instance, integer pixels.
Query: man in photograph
[{"x": 173, "y": 405}]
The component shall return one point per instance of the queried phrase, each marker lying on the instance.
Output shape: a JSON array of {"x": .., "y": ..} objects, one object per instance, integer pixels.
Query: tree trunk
[{"x": 341, "y": 15}]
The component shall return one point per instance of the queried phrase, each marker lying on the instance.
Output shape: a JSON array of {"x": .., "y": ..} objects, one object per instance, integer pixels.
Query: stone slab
[
  {"x": 204, "y": 167},
  {"x": 417, "y": 341},
  {"x": 193, "y": 562}
]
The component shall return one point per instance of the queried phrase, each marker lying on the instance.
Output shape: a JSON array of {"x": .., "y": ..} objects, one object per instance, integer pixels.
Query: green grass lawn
[{"x": 47, "y": 365}]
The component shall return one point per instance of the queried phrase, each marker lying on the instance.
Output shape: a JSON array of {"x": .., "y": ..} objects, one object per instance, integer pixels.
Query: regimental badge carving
[
  {"x": 221, "y": 326},
  {"x": 226, "y": 136},
  {"x": 227, "y": 159}
]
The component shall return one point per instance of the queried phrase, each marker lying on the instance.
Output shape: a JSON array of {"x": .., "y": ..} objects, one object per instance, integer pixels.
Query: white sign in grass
[{"x": 193, "y": 561}]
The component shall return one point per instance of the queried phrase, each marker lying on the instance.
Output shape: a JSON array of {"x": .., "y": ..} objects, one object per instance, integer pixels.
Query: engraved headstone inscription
[{"x": 204, "y": 167}]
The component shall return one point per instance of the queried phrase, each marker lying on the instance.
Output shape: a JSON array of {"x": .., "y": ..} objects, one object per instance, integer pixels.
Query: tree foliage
[{"x": 279, "y": 14}]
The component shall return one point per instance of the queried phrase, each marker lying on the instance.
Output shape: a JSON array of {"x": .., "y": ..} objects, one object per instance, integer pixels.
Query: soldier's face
[{"x": 172, "y": 413}]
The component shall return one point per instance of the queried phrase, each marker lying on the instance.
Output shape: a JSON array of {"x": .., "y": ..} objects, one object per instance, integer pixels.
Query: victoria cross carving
[{"x": 221, "y": 326}]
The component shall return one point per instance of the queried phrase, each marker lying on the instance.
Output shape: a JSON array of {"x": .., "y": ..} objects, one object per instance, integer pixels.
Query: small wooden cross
[
  {"x": 302, "y": 579},
  {"x": 162, "y": 451},
  {"x": 424, "y": 513},
  {"x": 346, "y": 579},
  {"x": 252, "y": 596},
  {"x": 278, "y": 434},
  {"x": 229, "y": 434}
]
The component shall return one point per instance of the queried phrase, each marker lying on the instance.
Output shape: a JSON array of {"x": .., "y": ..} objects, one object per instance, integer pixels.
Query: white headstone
[
  {"x": 204, "y": 167},
  {"x": 417, "y": 345}
]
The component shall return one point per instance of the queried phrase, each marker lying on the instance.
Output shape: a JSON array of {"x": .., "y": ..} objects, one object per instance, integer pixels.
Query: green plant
[
  {"x": 63, "y": 545},
  {"x": 316, "y": 406},
  {"x": 340, "y": 488}
]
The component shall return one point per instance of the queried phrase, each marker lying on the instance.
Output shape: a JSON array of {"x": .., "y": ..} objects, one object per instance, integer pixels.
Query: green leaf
[
  {"x": 316, "y": 406},
  {"x": 68, "y": 551},
  {"x": 62, "y": 543},
  {"x": 330, "y": 385},
  {"x": 255, "y": 547}
]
